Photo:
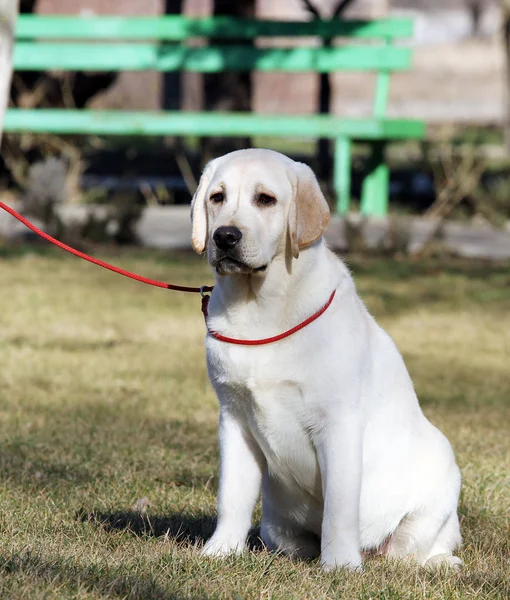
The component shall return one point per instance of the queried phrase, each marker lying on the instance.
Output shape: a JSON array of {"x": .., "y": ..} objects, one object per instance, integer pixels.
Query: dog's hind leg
[
  {"x": 448, "y": 538},
  {"x": 427, "y": 538}
]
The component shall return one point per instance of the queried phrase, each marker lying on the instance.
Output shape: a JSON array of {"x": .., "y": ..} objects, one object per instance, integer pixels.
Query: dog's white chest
[
  {"x": 269, "y": 398},
  {"x": 273, "y": 418}
]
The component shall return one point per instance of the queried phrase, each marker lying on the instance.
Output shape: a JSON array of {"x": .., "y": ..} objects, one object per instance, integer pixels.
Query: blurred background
[{"x": 458, "y": 85}]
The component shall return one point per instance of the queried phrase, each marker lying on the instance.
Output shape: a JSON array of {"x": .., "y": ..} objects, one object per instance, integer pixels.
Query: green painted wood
[
  {"x": 135, "y": 57},
  {"x": 69, "y": 55},
  {"x": 376, "y": 185},
  {"x": 178, "y": 28},
  {"x": 342, "y": 174},
  {"x": 67, "y": 121},
  {"x": 382, "y": 91}
]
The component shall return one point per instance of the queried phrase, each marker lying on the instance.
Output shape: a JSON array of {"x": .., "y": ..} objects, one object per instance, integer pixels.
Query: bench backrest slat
[
  {"x": 179, "y": 28},
  {"x": 211, "y": 59},
  {"x": 204, "y": 124},
  {"x": 143, "y": 43}
]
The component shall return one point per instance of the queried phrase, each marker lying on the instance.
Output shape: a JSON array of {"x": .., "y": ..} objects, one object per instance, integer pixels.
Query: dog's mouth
[{"x": 227, "y": 265}]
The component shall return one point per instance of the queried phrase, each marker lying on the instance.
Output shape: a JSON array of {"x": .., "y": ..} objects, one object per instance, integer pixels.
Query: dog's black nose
[{"x": 227, "y": 237}]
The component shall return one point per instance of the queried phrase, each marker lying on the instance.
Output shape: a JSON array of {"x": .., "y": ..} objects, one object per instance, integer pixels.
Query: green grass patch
[{"x": 109, "y": 458}]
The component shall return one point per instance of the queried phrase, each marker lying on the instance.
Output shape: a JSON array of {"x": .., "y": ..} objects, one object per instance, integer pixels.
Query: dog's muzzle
[
  {"x": 226, "y": 238},
  {"x": 227, "y": 253}
]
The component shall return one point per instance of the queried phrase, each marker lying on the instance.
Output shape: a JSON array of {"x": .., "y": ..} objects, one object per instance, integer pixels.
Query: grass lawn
[{"x": 109, "y": 459}]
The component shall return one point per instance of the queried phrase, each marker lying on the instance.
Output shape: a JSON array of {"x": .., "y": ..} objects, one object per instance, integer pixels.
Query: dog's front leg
[
  {"x": 241, "y": 467},
  {"x": 339, "y": 451}
]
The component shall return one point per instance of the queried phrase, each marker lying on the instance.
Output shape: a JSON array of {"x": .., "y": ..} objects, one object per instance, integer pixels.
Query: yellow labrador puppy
[{"x": 325, "y": 421}]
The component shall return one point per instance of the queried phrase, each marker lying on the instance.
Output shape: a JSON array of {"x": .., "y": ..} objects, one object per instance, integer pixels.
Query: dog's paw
[
  {"x": 220, "y": 548},
  {"x": 444, "y": 560},
  {"x": 342, "y": 560}
]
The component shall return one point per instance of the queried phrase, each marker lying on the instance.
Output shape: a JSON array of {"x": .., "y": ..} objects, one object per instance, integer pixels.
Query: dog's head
[{"x": 252, "y": 205}]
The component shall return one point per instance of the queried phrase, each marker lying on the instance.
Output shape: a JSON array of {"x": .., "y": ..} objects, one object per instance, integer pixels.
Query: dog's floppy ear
[
  {"x": 199, "y": 229},
  {"x": 309, "y": 212}
]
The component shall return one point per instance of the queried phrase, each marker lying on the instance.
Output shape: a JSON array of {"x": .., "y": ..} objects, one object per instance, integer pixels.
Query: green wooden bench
[{"x": 149, "y": 43}]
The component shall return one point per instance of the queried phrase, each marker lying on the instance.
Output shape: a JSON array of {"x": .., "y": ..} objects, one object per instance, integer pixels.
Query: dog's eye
[
  {"x": 266, "y": 200},
  {"x": 217, "y": 198}
]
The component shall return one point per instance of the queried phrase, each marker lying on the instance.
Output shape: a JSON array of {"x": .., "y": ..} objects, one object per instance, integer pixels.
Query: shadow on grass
[
  {"x": 92, "y": 446},
  {"x": 34, "y": 246},
  {"x": 189, "y": 531},
  {"x": 98, "y": 579},
  {"x": 67, "y": 344},
  {"x": 186, "y": 529},
  {"x": 390, "y": 269}
]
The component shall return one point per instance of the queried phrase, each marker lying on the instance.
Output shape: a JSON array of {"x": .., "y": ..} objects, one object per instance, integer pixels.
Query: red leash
[
  {"x": 96, "y": 261},
  {"x": 168, "y": 286}
]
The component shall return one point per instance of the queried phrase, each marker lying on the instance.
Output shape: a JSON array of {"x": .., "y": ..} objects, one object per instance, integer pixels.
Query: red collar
[{"x": 270, "y": 340}]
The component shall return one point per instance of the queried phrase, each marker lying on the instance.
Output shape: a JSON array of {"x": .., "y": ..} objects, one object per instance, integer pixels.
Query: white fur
[{"x": 325, "y": 421}]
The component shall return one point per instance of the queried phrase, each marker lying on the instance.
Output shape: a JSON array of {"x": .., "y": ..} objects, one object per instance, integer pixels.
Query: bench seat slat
[
  {"x": 178, "y": 28},
  {"x": 206, "y": 124},
  {"x": 137, "y": 57}
]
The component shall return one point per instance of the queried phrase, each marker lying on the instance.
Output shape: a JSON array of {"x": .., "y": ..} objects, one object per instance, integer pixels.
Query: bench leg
[
  {"x": 376, "y": 185},
  {"x": 342, "y": 174}
]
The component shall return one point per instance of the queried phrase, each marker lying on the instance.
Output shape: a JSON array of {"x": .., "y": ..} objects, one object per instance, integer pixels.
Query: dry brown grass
[{"x": 104, "y": 400}]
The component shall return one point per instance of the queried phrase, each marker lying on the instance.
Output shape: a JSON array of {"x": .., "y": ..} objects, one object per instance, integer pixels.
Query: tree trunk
[
  {"x": 172, "y": 81},
  {"x": 475, "y": 9},
  {"x": 324, "y": 161},
  {"x": 323, "y": 151},
  {"x": 8, "y": 14},
  {"x": 228, "y": 91}
]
